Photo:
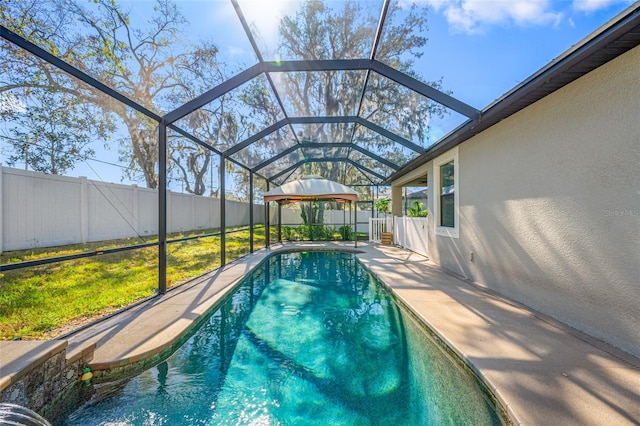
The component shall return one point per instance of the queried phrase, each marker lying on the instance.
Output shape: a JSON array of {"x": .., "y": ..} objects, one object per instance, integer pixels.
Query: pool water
[{"x": 308, "y": 338}]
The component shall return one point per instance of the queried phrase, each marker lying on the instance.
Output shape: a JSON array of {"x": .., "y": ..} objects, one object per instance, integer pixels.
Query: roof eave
[{"x": 613, "y": 39}]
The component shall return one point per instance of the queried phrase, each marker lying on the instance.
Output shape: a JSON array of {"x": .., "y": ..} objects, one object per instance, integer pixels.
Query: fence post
[
  {"x": 193, "y": 212},
  {"x": 84, "y": 210},
  {"x": 135, "y": 212}
]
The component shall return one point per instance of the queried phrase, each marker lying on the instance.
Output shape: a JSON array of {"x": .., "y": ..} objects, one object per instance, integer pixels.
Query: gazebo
[{"x": 309, "y": 188}]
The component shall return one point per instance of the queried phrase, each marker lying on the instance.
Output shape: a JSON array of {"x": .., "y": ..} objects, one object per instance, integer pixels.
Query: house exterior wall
[{"x": 550, "y": 205}]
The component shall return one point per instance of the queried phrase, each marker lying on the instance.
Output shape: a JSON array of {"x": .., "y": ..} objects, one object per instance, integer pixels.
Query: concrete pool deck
[{"x": 544, "y": 372}]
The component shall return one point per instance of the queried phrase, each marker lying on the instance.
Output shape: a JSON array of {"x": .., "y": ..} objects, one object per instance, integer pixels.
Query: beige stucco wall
[{"x": 550, "y": 205}]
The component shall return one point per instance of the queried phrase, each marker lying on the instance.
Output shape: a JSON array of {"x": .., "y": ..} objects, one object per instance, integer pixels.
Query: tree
[
  {"x": 320, "y": 32},
  {"x": 52, "y": 133},
  {"x": 383, "y": 205},
  {"x": 416, "y": 210},
  {"x": 150, "y": 64}
]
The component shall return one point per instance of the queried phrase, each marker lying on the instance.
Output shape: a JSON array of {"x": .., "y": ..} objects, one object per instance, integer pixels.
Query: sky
[
  {"x": 480, "y": 49},
  {"x": 485, "y": 48}
]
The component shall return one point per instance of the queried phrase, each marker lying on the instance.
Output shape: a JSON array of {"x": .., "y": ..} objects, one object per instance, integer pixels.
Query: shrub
[{"x": 345, "y": 232}]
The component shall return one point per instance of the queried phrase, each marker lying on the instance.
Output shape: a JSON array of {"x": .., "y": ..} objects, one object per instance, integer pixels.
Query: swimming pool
[{"x": 307, "y": 338}]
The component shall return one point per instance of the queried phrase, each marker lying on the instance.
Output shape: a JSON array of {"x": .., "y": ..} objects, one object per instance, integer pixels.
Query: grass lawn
[{"x": 46, "y": 301}]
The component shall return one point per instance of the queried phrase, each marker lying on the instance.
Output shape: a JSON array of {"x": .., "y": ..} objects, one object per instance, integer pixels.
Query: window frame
[{"x": 447, "y": 231}]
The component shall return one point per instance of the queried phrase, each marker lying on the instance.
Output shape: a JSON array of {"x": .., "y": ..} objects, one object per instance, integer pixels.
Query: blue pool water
[{"x": 309, "y": 338}]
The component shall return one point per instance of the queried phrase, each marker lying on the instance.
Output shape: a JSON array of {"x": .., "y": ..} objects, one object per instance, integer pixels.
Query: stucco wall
[{"x": 550, "y": 205}]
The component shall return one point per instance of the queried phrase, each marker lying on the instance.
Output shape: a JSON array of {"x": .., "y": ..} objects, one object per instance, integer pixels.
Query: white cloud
[
  {"x": 594, "y": 5},
  {"x": 475, "y": 16}
]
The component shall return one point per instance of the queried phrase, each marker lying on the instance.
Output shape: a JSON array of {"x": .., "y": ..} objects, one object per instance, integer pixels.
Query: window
[
  {"x": 447, "y": 191},
  {"x": 447, "y": 197}
]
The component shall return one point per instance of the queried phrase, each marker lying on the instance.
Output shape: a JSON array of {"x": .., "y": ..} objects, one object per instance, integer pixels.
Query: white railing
[{"x": 377, "y": 226}]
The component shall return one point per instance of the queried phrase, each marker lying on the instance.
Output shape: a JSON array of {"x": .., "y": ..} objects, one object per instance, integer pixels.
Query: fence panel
[
  {"x": 415, "y": 234},
  {"x": 38, "y": 210}
]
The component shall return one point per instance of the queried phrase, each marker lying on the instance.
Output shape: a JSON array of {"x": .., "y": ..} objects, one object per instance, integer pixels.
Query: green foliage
[
  {"x": 345, "y": 232},
  {"x": 416, "y": 210},
  {"x": 146, "y": 59},
  {"x": 312, "y": 213},
  {"x": 53, "y": 132},
  {"x": 383, "y": 205},
  {"x": 289, "y": 233}
]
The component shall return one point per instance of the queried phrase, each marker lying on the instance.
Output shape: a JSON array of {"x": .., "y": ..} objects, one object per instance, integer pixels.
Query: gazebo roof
[{"x": 311, "y": 188}]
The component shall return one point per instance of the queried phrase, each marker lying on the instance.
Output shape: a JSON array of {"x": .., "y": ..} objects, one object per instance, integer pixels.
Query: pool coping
[
  {"x": 578, "y": 363},
  {"x": 150, "y": 331}
]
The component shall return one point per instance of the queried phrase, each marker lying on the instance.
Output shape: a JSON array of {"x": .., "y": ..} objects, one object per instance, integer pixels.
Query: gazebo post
[
  {"x": 279, "y": 223},
  {"x": 309, "y": 221},
  {"x": 355, "y": 224},
  {"x": 266, "y": 221},
  {"x": 344, "y": 216}
]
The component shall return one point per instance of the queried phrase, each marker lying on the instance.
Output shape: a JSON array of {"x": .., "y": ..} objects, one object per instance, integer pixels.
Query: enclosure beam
[
  {"x": 256, "y": 49},
  {"x": 287, "y": 170},
  {"x": 317, "y": 65},
  {"x": 324, "y": 119},
  {"x": 251, "y": 220},
  {"x": 318, "y": 120},
  {"x": 1, "y": 208},
  {"x": 365, "y": 169},
  {"x": 275, "y": 157},
  {"x": 390, "y": 135},
  {"x": 211, "y": 95},
  {"x": 223, "y": 221},
  {"x": 266, "y": 220},
  {"x": 425, "y": 90},
  {"x": 162, "y": 207},
  {"x": 207, "y": 146},
  {"x": 328, "y": 160},
  {"x": 256, "y": 137},
  {"x": 69, "y": 69},
  {"x": 313, "y": 160},
  {"x": 355, "y": 224},
  {"x": 326, "y": 145}
]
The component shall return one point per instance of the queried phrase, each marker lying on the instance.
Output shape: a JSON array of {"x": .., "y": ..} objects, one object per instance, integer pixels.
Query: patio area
[
  {"x": 522, "y": 250},
  {"x": 540, "y": 370}
]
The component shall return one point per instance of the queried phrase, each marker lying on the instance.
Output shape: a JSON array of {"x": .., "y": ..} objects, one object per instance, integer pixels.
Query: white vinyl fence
[
  {"x": 408, "y": 232},
  {"x": 411, "y": 233},
  {"x": 291, "y": 217},
  {"x": 39, "y": 210}
]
